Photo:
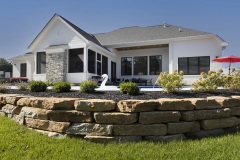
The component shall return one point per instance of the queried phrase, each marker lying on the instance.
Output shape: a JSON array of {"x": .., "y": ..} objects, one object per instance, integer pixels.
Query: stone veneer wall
[
  {"x": 127, "y": 120},
  {"x": 56, "y": 67}
]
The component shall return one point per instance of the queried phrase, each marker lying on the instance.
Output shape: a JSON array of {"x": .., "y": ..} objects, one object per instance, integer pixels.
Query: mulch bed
[{"x": 117, "y": 96}]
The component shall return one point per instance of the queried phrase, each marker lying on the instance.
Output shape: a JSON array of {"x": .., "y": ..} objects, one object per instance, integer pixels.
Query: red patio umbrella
[{"x": 231, "y": 59}]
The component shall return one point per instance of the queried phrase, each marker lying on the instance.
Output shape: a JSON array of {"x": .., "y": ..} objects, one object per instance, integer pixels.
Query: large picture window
[
  {"x": 41, "y": 62},
  {"x": 23, "y": 70},
  {"x": 194, "y": 65},
  {"x": 126, "y": 65},
  {"x": 155, "y": 66},
  {"x": 75, "y": 60},
  {"x": 140, "y": 65}
]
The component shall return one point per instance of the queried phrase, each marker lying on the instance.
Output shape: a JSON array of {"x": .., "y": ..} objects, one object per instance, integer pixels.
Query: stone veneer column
[{"x": 56, "y": 66}]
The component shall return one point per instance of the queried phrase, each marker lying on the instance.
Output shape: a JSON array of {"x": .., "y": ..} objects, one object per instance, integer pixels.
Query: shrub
[
  {"x": 129, "y": 88},
  {"x": 3, "y": 88},
  {"x": 171, "y": 82},
  {"x": 22, "y": 86},
  {"x": 37, "y": 86},
  {"x": 208, "y": 82},
  {"x": 88, "y": 86},
  {"x": 50, "y": 83},
  {"x": 62, "y": 87},
  {"x": 232, "y": 81}
]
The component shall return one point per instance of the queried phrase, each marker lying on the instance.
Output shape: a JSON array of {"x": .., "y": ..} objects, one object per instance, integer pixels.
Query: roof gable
[{"x": 84, "y": 35}]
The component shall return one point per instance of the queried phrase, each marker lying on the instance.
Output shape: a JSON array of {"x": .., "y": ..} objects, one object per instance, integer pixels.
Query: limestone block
[
  {"x": 183, "y": 127},
  {"x": 115, "y": 117},
  {"x": 137, "y": 105},
  {"x": 59, "y": 103},
  {"x": 96, "y": 105},
  {"x": 12, "y": 100},
  {"x": 203, "y": 133},
  {"x": 166, "y": 138},
  {"x": 204, "y": 103},
  {"x": 205, "y": 114},
  {"x": 235, "y": 111},
  {"x": 60, "y": 127},
  {"x": 175, "y": 104},
  {"x": 52, "y": 134},
  {"x": 36, "y": 102},
  {"x": 227, "y": 102},
  {"x": 47, "y": 125},
  {"x": 36, "y": 113},
  {"x": 19, "y": 118},
  {"x": 139, "y": 130},
  {"x": 220, "y": 123},
  {"x": 107, "y": 139},
  {"x": 11, "y": 109},
  {"x": 159, "y": 117},
  {"x": 70, "y": 116},
  {"x": 90, "y": 129},
  {"x": 233, "y": 129}
]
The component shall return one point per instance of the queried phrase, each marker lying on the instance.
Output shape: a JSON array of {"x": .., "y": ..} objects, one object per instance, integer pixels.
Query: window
[
  {"x": 104, "y": 65},
  {"x": 23, "y": 70},
  {"x": 194, "y": 65},
  {"x": 99, "y": 64},
  {"x": 113, "y": 69},
  {"x": 91, "y": 61},
  {"x": 126, "y": 66},
  {"x": 140, "y": 65},
  {"x": 41, "y": 62},
  {"x": 75, "y": 64},
  {"x": 155, "y": 65}
]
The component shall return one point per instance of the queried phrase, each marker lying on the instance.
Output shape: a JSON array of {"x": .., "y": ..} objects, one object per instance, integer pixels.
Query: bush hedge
[
  {"x": 62, "y": 87},
  {"x": 37, "y": 86},
  {"x": 88, "y": 86},
  {"x": 129, "y": 88}
]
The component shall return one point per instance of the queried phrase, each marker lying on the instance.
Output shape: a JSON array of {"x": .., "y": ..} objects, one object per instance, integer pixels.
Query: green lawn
[{"x": 17, "y": 142}]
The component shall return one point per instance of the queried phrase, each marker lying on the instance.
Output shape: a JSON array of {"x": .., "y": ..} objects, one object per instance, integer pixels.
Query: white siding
[
  {"x": 195, "y": 48},
  {"x": 30, "y": 67},
  {"x": 58, "y": 34}
]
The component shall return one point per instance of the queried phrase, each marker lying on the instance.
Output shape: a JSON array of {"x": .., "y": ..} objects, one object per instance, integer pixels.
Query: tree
[{"x": 5, "y": 65}]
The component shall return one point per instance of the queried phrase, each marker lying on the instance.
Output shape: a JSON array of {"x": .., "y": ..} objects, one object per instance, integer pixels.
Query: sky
[{"x": 22, "y": 20}]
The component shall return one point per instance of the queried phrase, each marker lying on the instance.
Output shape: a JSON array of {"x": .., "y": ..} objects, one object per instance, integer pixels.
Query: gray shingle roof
[
  {"x": 22, "y": 56},
  {"x": 138, "y": 34}
]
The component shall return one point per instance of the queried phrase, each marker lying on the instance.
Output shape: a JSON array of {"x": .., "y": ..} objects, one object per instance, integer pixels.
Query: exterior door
[{"x": 23, "y": 70}]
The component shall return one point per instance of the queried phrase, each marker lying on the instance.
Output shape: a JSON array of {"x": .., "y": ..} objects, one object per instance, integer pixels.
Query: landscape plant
[
  {"x": 208, "y": 82},
  {"x": 37, "y": 86},
  {"x": 129, "y": 88},
  {"x": 3, "y": 88},
  {"x": 232, "y": 81},
  {"x": 62, "y": 87},
  {"x": 88, "y": 86},
  {"x": 171, "y": 82},
  {"x": 22, "y": 86}
]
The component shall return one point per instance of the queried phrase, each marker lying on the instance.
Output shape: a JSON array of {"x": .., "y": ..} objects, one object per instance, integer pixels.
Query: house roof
[
  {"x": 22, "y": 56},
  {"x": 139, "y": 34}
]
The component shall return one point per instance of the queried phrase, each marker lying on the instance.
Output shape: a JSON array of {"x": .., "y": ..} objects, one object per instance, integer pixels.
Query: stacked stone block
[{"x": 101, "y": 120}]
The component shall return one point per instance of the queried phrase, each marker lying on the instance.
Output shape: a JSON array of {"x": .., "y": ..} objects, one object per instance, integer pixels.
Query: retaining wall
[{"x": 128, "y": 120}]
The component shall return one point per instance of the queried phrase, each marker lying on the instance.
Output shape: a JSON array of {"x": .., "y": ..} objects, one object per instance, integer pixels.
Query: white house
[{"x": 64, "y": 52}]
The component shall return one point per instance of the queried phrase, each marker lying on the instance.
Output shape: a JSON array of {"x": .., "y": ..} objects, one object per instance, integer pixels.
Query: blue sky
[{"x": 21, "y": 21}]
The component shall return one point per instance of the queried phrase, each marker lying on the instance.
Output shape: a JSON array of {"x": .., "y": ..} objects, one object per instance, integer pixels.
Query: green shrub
[
  {"x": 37, "y": 86},
  {"x": 62, "y": 87},
  {"x": 50, "y": 83},
  {"x": 232, "y": 81},
  {"x": 3, "y": 88},
  {"x": 22, "y": 86},
  {"x": 88, "y": 86},
  {"x": 171, "y": 82},
  {"x": 129, "y": 88},
  {"x": 208, "y": 82}
]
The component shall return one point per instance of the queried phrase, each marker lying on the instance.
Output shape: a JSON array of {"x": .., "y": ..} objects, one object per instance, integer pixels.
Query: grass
[{"x": 17, "y": 142}]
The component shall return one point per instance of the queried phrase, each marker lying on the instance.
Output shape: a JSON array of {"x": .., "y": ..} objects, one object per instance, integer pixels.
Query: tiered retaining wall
[{"x": 128, "y": 120}]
